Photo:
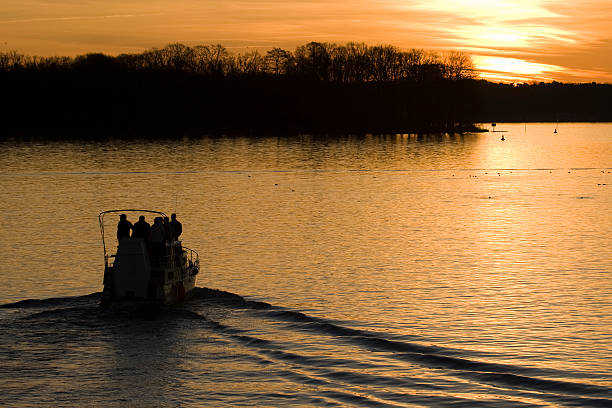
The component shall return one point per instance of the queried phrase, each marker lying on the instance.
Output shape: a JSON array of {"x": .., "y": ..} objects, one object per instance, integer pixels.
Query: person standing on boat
[
  {"x": 157, "y": 239},
  {"x": 168, "y": 230},
  {"x": 141, "y": 229},
  {"x": 176, "y": 226},
  {"x": 123, "y": 227},
  {"x": 158, "y": 232}
]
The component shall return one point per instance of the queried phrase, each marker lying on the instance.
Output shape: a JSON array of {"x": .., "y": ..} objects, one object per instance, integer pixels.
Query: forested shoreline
[{"x": 318, "y": 88}]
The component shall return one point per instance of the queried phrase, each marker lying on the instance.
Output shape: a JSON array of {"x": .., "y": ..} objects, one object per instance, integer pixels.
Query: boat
[{"x": 143, "y": 272}]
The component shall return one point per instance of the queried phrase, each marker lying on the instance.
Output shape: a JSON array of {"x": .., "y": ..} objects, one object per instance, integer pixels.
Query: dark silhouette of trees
[
  {"x": 313, "y": 61},
  {"x": 350, "y": 63},
  {"x": 279, "y": 61},
  {"x": 320, "y": 87},
  {"x": 458, "y": 65},
  {"x": 543, "y": 102}
]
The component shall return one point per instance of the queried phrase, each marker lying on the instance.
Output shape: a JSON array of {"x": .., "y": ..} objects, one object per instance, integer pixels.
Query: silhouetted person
[
  {"x": 168, "y": 229},
  {"x": 157, "y": 239},
  {"x": 177, "y": 227},
  {"x": 123, "y": 227},
  {"x": 158, "y": 232},
  {"x": 141, "y": 229}
]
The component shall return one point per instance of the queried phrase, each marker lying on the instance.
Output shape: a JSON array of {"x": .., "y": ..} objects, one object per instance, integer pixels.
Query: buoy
[{"x": 503, "y": 138}]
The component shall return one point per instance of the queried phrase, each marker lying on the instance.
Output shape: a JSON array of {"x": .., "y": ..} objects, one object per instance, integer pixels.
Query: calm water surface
[{"x": 377, "y": 271}]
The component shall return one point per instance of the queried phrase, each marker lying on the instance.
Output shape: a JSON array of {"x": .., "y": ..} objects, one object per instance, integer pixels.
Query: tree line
[
  {"x": 350, "y": 63},
  {"x": 317, "y": 88}
]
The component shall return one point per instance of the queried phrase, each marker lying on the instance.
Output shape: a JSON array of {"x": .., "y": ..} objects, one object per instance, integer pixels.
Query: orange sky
[{"x": 510, "y": 40}]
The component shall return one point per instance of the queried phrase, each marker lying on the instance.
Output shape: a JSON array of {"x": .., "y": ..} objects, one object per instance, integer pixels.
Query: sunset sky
[{"x": 510, "y": 40}]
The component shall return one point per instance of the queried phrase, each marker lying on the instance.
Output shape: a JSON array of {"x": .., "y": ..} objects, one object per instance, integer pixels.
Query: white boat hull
[{"x": 137, "y": 277}]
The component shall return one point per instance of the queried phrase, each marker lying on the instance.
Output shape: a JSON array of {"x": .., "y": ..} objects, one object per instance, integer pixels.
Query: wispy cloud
[
  {"x": 74, "y": 18},
  {"x": 513, "y": 69},
  {"x": 513, "y": 40},
  {"x": 568, "y": 39},
  {"x": 499, "y": 11}
]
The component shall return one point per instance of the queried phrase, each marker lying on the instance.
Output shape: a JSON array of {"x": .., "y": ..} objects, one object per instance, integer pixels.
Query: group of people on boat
[
  {"x": 163, "y": 229},
  {"x": 161, "y": 238}
]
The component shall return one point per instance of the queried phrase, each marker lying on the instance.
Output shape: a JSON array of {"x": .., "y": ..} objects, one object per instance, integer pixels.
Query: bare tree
[
  {"x": 178, "y": 57},
  {"x": 251, "y": 63},
  {"x": 11, "y": 60},
  {"x": 459, "y": 65},
  {"x": 211, "y": 59},
  {"x": 278, "y": 61},
  {"x": 384, "y": 62},
  {"x": 313, "y": 60}
]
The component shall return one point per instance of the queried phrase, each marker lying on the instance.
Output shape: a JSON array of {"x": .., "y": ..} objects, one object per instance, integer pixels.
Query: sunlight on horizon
[
  {"x": 576, "y": 36},
  {"x": 514, "y": 69},
  {"x": 518, "y": 40}
]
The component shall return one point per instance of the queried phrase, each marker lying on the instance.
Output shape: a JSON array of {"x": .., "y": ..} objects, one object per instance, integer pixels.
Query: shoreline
[{"x": 170, "y": 133}]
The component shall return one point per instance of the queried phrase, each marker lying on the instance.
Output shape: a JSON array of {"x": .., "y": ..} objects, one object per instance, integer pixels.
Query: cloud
[
  {"x": 72, "y": 18},
  {"x": 537, "y": 39},
  {"x": 498, "y": 11},
  {"x": 571, "y": 35},
  {"x": 514, "y": 69}
]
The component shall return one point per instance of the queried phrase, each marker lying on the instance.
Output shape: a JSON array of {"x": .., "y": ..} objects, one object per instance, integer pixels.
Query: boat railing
[
  {"x": 109, "y": 260},
  {"x": 193, "y": 259},
  {"x": 175, "y": 255},
  {"x": 169, "y": 258}
]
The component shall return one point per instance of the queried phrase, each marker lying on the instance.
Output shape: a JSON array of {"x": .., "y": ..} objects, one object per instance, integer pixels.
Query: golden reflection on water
[{"x": 462, "y": 240}]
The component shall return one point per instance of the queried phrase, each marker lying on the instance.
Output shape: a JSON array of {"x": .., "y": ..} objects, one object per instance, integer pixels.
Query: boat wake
[{"x": 292, "y": 356}]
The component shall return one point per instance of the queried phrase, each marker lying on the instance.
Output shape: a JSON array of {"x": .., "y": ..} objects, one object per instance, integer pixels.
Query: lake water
[{"x": 402, "y": 270}]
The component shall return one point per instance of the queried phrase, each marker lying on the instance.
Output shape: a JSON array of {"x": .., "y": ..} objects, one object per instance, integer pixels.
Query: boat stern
[{"x": 131, "y": 271}]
